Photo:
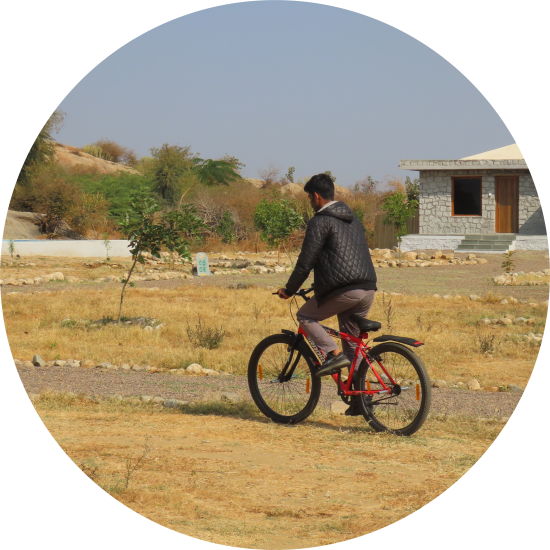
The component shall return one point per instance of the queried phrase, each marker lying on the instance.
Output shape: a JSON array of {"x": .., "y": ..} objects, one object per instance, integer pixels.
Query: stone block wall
[
  {"x": 531, "y": 220},
  {"x": 435, "y": 205}
]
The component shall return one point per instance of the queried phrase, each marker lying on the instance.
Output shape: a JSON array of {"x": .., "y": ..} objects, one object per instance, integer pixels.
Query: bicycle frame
[{"x": 361, "y": 349}]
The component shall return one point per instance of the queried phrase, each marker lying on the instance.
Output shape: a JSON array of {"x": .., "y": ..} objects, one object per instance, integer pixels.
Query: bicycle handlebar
[{"x": 303, "y": 292}]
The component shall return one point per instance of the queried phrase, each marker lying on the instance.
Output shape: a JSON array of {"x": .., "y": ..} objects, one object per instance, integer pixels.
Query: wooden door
[{"x": 506, "y": 198}]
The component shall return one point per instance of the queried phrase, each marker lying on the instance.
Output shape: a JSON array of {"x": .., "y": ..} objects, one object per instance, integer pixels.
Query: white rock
[
  {"x": 210, "y": 372},
  {"x": 37, "y": 361},
  {"x": 194, "y": 368},
  {"x": 505, "y": 321},
  {"x": 57, "y": 276},
  {"x": 473, "y": 384}
]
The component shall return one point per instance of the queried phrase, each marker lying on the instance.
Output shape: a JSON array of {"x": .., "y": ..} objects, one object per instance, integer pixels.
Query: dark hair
[{"x": 322, "y": 184}]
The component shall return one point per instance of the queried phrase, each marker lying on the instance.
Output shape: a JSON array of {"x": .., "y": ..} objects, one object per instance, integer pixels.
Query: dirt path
[{"x": 104, "y": 383}]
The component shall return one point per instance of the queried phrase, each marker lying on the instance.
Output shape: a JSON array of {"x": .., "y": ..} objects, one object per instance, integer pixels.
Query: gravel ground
[
  {"x": 104, "y": 383},
  {"x": 447, "y": 279}
]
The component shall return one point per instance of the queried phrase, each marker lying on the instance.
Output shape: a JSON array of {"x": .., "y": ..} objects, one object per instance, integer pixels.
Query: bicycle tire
[
  {"x": 405, "y": 412},
  {"x": 285, "y": 402}
]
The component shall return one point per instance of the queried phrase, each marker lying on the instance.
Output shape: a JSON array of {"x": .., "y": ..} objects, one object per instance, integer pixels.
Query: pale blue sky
[{"x": 284, "y": 84}]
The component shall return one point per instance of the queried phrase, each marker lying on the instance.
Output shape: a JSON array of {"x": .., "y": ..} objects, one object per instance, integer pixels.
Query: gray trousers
[{"x": 343, "y": 305}]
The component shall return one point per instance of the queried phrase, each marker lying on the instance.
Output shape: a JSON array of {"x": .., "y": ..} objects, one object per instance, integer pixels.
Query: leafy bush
[
  {"x": 398, "y": 211},
  {"x": 112, "y": 151},
  {"x": 118, "y": 189},
  {"x": 205, "y": 337},
  {"x": 276, "y": 220}
]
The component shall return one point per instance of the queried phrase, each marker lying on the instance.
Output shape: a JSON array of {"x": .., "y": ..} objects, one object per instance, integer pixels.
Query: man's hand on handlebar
[{"x": 282, "y": 294}]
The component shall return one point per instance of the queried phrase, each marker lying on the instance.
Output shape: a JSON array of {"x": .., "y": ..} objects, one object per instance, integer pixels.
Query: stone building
[{"x": 483, "y": 202}]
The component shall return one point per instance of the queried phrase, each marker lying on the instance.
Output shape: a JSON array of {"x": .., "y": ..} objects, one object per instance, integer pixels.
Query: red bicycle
[{"x": 389, "y": 379}]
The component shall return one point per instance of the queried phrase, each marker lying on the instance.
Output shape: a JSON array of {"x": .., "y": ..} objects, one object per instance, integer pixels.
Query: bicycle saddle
[{"x": 365, "y": 325}]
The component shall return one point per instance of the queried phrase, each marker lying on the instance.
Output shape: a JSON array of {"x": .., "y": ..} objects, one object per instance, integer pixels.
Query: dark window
[{"x": 467, "y": 196}]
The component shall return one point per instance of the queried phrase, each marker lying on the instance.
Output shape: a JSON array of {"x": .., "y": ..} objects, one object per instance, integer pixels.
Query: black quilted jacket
[{"x": 336, "y": 248}]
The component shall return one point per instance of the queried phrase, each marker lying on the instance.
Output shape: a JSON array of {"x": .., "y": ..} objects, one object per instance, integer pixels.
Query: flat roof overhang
[{"x": 512, "y": 164}]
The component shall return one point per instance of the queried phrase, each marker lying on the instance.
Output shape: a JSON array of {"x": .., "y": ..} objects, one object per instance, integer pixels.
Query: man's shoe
[
  {"x": 354, "y": 409},
  {"x": 333, "y": 364}
]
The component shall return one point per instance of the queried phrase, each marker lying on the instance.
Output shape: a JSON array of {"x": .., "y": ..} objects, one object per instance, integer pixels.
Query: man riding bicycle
[{"x": 336, "y": 249}]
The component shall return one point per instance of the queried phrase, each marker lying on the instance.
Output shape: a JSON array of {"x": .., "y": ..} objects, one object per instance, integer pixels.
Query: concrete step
[
  {"x": 485, "y": 243},
  {"x": 504, "y": 237},
  {"x": 499, "y": 242},
  {"x": 477, "y": 251},
  {"x": 481, "y": 247}
]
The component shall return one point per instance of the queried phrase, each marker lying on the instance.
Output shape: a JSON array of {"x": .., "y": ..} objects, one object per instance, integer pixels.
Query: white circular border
[{"x": 48, "y": 47}]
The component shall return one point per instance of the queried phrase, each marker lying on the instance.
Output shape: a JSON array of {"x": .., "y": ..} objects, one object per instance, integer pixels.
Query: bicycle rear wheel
[
  {"x": 403, "y": 411},
  {"x": 281, "y": 379}
]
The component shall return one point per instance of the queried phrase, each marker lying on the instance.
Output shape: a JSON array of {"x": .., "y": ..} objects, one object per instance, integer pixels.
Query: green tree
[
  {"x": 412, "y": 188},
  {"x": 149, "y": 231},
  {"x": 112, "y": 151},
  {"x": 175, "y": 171},
  {"x": 172, "y": 169},
  {"x": 227, "y": 228},
  {"x": 290, "y": 174},
  {"x": 398, "y": 211},
  {"x": 215, "y": 172},
  {"x": 329, "y": 174},
  {"x": 276, "y": 220},
  {"x": 42, "y": 152}
]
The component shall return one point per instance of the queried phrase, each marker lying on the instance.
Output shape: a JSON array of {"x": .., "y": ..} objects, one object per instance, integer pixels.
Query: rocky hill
[
  {"x": 21, "y": 225},
  {"x": 75, "y": 159}
]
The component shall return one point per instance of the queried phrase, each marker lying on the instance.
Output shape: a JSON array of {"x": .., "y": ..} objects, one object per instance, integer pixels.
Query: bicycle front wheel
[
  {"x": 281, "y": 379},
  {"x": 404, "y": 410}
]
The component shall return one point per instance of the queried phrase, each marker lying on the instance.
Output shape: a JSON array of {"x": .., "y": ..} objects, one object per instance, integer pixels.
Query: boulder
[
  {"x": 37, "y": 361},
  {"x": 194, "y": 368},
  {"x": 210, "y": 372},
  {"x": 473, "y": 384},
  {"x": 505, "y": 321},
  {"x": 409, "y": 255},
  {"x": 57, "y": 276}
]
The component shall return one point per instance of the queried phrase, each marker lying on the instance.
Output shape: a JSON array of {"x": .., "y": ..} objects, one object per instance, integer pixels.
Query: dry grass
[
  {"x": 206, "y": 470},
  {"x": 448, "y": 327},
  {"x": 328, "y": 479}
]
